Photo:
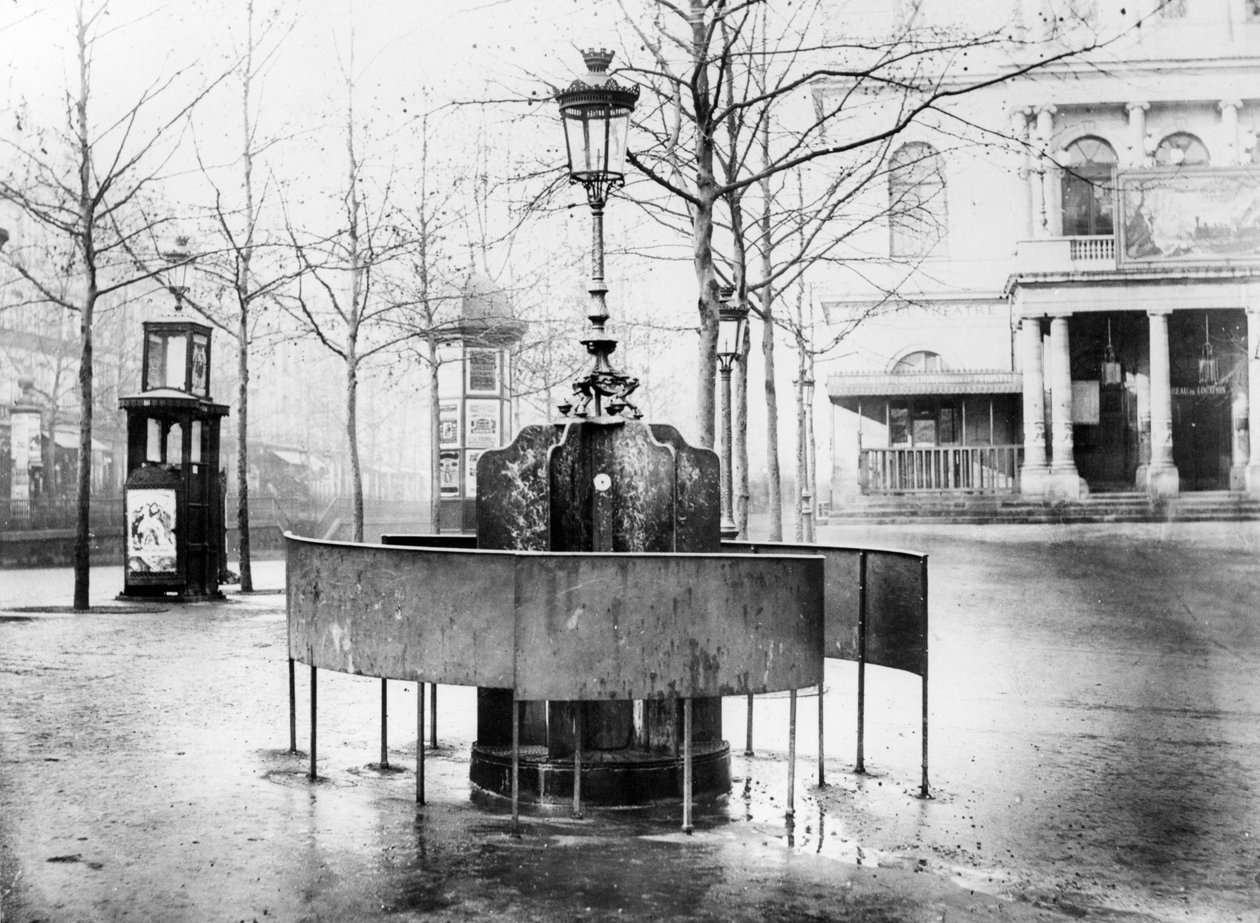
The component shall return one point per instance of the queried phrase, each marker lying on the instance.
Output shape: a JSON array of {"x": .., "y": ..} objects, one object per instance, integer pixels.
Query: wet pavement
[{"x": 1095, "y": 708}]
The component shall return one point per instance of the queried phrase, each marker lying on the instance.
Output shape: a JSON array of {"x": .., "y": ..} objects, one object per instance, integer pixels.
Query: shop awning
[{"x": 888, "y": 384}]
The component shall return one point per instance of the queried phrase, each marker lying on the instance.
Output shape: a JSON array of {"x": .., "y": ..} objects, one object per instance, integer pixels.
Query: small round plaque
[{"x": 602, "y": 482}]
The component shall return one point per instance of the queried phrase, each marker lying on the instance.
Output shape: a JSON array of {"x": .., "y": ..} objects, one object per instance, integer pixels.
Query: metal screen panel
[
  {"x": 896, "y": 601},
  {"x": 401, "y": 613},
  {"x": 645, "y": 626},
  {"x": 896, "y": 610}
]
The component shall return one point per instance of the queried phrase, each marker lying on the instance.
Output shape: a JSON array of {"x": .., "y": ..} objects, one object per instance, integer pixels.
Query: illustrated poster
[{"x": 151, "y": 530}]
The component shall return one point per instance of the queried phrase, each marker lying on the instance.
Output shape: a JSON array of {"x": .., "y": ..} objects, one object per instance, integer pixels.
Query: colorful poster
[
  {"x": 481, "y": 424},
  {"x": 151, "y": 530},
  {"x": 448, "y": 473},
  {"x": 470, "y": 472},
  {"x": 1189, "y": 215},
  {"x": 448, "y": 423}
]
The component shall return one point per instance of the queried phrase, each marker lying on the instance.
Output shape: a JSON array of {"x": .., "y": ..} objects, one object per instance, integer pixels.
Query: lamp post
[
  {"x": 807, "y": 493},
  {"x": 595, "y": 111},
  {"x": 732, "y": 318}
]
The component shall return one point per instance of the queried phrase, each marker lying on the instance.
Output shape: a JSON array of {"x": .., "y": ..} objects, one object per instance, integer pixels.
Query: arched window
[
  {"x": 921, "y": 361},
  {"x": 1181, "y": 149},
  {"x": 917, "y": 214},
  {"x": 1089, "y": 168}
]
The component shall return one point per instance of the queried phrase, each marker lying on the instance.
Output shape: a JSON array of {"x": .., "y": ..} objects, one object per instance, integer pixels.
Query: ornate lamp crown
[{"x": 597, "y": 59}]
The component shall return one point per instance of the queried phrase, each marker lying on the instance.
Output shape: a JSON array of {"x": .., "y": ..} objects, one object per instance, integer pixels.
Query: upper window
[
  {"x": 1089, "y": 166},
  {"x": 1181, "y": 149},
  {"x": 921, "y": 361},
  {"x": 917, "y": 213}
]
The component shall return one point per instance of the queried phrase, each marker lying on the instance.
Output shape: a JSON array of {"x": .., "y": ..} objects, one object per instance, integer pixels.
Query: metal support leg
[
  {"x": 577, "y": 761},
  {"x": 433, "y": 715},
  {"x": 791, "y": 788},
  {"x": 686, "y": 825},
  {"x": 822, "y": 782},
  {"x": 748, "y": 748},
  {"x": 861, "y": 666},
  {"x": 292, "y": 707},
  {"x": 419, "y": 743},
  {"x": 313, "y": 699},
  {"x": 518, "y": 715},
  {"x": 384, "y": 723}
]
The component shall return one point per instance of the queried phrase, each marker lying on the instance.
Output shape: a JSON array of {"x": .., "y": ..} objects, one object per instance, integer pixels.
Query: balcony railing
[
  {"x": 990, "y": 469},
  {"x": 1065, "y": 254}
]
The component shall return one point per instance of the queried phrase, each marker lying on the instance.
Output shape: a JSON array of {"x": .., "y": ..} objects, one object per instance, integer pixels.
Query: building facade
[{"x": 1076, "y": 308}]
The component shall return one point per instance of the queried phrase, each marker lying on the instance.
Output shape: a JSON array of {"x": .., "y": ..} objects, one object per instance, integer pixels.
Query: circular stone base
[{"x": 612, "y": 778}]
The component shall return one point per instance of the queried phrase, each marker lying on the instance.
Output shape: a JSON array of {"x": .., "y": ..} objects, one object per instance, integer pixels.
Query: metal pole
[
  {"x": 822, "y": 782},
  {"x": 599, "y": 306},
  {"x": 384, "y": 723},
  {"x": 292, "y": 708},
  {"x": 433, "y": 715},
  {"x": 748, "y": 748},
  {"x": 924, "y": 791},
  {"x": 518, "y": 713},
  {"x": 577, "y": 760},
  {"x": 313, "y": 697},
  {"x": 861, "y": 694},
  {"x": 791, "y": 792},
  {"x": 686, "y": 825},
  {"x": 419, "y": 743},
  {"x": 726, "y": 501}
]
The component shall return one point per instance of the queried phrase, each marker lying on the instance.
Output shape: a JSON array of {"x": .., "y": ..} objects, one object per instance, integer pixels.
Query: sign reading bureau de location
[{"x": 624, "y": 626}]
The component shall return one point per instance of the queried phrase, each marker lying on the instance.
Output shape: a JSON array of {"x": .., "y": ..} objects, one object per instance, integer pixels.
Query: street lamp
[
  {"x": 595, "y": 111},
  {"x": 732, "y": 319},
  {"x": 179, "y": 257}
]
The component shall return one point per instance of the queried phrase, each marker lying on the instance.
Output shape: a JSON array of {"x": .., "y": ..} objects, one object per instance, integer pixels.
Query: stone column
[
  {"x": 1032, "y": 473},
  {"x": 1162, "y": 479},
  {"x": 1060, "y": 359},
  {"x": 1051, "y": 218},
  {"x": 1253, "y": 396},
  {"x": 1024, "y": 201},
  {"x": 1137, "y": 134},
  {"x": 1229, "y": 129}
]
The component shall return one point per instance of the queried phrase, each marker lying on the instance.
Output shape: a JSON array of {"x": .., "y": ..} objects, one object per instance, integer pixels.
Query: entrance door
[{"x": 1201, "y": 439}]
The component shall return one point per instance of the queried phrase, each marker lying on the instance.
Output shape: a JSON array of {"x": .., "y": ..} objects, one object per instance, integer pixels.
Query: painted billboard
[{"x": 1189, "y": 215}]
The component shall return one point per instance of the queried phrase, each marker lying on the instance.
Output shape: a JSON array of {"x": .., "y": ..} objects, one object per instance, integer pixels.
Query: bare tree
[
  {"x": 241, "y": 240},
  {"x": 733, "y": 110},
  {"x": 349, "y": 317},
  {"x": 85, "y": 185}
]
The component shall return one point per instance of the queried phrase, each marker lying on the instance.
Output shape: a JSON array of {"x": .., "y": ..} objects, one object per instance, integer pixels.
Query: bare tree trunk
[
  {"x": 242, "y": 447},
  {"x": 356, "y": 309},
  {"x": 242, "y": 334},
  {"x": 774, "y": 477},
  {"x": 702, "y": 230},
  {"x": 87, "y": 219},
  {"x": 435, "y": 439},
  {"x": 352, "y": 443}
]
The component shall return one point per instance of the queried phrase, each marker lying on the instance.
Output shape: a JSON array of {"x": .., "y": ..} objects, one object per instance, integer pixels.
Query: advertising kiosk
[{"x": 173, "y": 497}]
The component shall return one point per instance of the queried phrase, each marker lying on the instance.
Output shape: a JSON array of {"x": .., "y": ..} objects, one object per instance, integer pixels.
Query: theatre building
[{"x": 1077, "y": 311}]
